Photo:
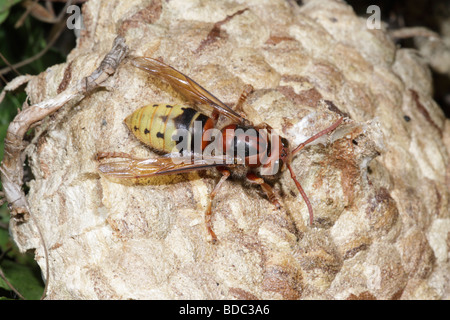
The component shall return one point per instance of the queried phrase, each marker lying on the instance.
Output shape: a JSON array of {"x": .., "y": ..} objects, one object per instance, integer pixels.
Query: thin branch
[
  {"x": 14, "y": 84},
  {"x": 412, "y": 32},
  {"x": 9, "y": 65},
  {"x": 2, "y": 275},
  {"x": 41, "y": 236},
  {"x": 43, "y": 51},
  {"x": 25, "y": 14},
  {"x": 12, "y": 161},
  {"x": 3, "y": 79},
  {"x": 36, "y": 56},
  {"x": 12, "y": 165}
]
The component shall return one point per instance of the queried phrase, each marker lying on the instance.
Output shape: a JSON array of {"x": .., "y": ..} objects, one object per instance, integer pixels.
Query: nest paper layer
[{"x": 379, "y": 185}]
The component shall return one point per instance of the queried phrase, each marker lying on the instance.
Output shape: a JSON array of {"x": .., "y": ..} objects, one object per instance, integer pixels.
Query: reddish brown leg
[
  {"x": 225, "y": 174},
  {"x": 300, "y": 147},
  {"x": 215, "y": 116},
  {"x": 248, "y": 88},
  {"x": 104, "y": 155},
  {"x": 253, "y": 178},
  {"x": 317, "y": 135},
  {"x": 239, "y": 105},
  {"x": 302, "y": 192}
]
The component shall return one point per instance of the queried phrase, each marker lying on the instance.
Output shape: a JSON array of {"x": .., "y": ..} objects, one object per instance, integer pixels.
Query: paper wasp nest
[{"x": 379, "y": 184}]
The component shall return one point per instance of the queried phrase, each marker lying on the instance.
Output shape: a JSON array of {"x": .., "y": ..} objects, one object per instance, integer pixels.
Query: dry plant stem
[
  {"x": 44, "y": 14},
  {"x": 47, "y": 47},
  {"x": 27, "y": 208},
  {"x": 36, "y": 56},
  {"x": 12, "y": 172},
  {"x": 9, "y": 65},
  {"x": 14, "y": 84},
  {"x": 413, "y": 32},
  {"x": 12, "y": 164},
  {"x": 2, "y": 275},
  {"x": 29, "y": 7}
]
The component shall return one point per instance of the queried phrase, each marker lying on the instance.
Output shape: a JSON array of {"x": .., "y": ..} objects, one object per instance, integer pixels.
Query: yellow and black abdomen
[{"x": 164, "y": 126}]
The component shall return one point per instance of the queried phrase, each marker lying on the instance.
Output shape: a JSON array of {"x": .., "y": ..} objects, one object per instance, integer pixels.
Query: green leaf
[
  {"x": 4, "y": 8},
  {"x": 4, "y": 239},
  {"x": 3, "y": 16},
  {"x": 6, "y": 4},
  {"x": 23, "y": 278}
]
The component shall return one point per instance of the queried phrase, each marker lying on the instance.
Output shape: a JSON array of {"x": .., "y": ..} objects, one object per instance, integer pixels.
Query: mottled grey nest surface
[{"x": 379, "y": 185}]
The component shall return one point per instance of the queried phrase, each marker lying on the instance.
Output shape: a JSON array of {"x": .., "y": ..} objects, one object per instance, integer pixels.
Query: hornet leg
[
  {"x": 253, "y": 178},
  {"x": 225, "y": 174}
]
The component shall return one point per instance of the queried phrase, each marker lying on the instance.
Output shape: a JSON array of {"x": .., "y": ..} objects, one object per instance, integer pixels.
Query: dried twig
[
  {"x": 50, "y": 43},
  {"x": 2, "y": 275},
  {"x": 14, "y": 84},
  {"x": 30, "y": 5},
  {"x": 41, "y": 13},
  {"x": 9, "y": 65},
  {"x": 412, "y": 32},
  {"x": 12, "y": 164}
]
